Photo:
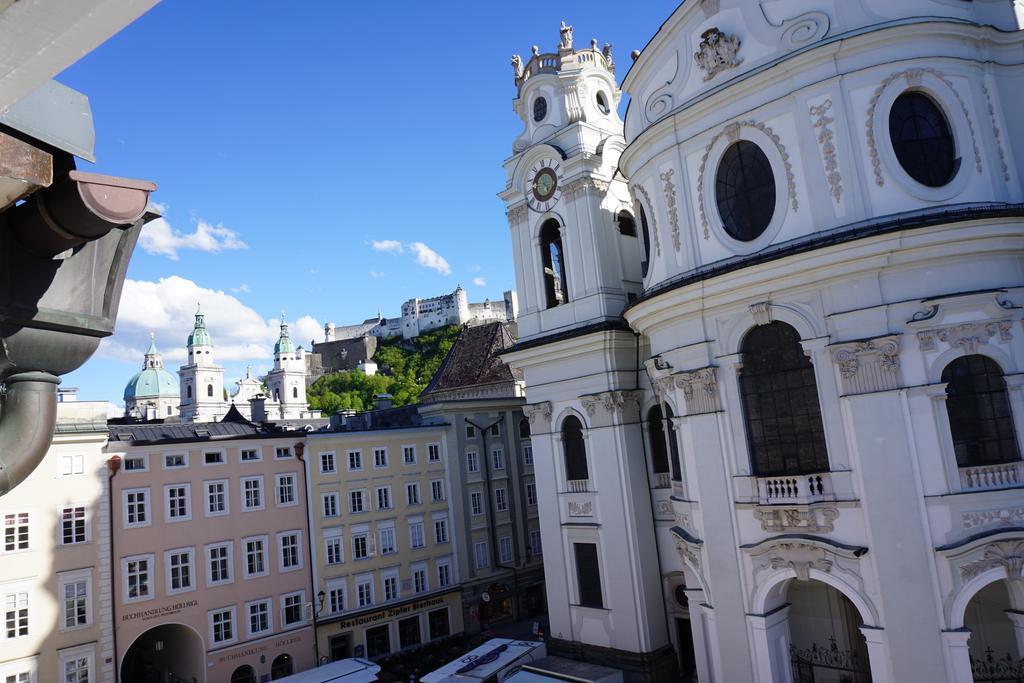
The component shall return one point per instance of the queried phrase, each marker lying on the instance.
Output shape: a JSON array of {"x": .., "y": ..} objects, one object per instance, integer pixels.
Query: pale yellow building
[
  {"x": 386, "y": 573},
  {"x": 54, "y": 559}
]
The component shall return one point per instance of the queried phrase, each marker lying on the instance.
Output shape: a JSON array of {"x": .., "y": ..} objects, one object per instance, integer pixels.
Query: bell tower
[
  {"x": 287, "y": 381},
  {"x": 202, "y": 380},
  {"x": 574, "y": 266}
]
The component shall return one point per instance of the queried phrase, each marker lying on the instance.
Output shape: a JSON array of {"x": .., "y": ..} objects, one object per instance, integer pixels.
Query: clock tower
[{"x": 580, "y": 256}]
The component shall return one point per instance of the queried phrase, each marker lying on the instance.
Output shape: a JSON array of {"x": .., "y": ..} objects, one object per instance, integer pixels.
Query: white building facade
[
  {"x": 201, "y": 379},
  {"x": 779, "y": 408}
]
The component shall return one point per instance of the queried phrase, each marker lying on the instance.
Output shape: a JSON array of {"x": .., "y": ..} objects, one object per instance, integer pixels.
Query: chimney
[
  {"x": 258, "y": 408},
  {"x": 383, "y": 401},
  {"x": 329, "y": 332}
]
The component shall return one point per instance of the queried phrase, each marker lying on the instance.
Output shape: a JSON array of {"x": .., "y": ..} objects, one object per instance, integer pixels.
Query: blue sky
[{"x": 287, "y": 139}]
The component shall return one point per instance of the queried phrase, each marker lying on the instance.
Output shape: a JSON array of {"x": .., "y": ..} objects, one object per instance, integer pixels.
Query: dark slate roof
[
  {"x": 474, "y": 360},
  {"x": 195, "y": 431},
  {"x": 233, "y": 415}
]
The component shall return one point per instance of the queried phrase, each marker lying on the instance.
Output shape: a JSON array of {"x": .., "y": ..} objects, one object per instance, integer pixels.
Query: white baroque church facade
[{"x": 771, "y": 335}]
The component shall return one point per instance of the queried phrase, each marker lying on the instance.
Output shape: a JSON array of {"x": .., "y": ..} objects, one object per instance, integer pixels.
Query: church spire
[{"x": 200, "y": 336}]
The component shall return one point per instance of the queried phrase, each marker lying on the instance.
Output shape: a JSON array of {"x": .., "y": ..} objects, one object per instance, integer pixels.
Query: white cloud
[
  {"x": 242, "y": 289},
  {"x": 393, "y": 246},
  {"x": 159, "y": 207},
  {"x": 374, "y": 273},
  {"x": 428, "y": 258},
  {"x": 305, "y": 329},
  {"x": 158, "y": 237},
  {"x": 480, "y": 281},
  {"x": 475, "y": 269}
]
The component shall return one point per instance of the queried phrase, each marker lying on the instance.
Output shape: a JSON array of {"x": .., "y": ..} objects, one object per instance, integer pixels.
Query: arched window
[
  {"x": 209, "y": 390},
  {"x": 780, "y": 403},
  {"x": 555, "y": 286},
  {"x": 575, "y": 450},
  {"x": 277, "y": 394},
  {"x": 243, "y": 674},
  {"x": 673, "y": 445},
  {"x": 524, "y": 429},
  {"x": 646, "y": 234},
  {"x": 188, "y": 391},
  {"x": 627, "y": 226},
  {"x": 656, "y": 435},
  {"x": 281, "y": 667},
  {"x": 295, "y": 392},
  {"x": 922, "y": 140},
  {"x": 979, "y": 412}
]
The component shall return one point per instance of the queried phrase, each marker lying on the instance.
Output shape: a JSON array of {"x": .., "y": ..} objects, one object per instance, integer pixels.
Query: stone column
[
  {"x": 958, "y": 655},
  {"x": 769, "y": 635},
  {"x": 878, "y": 656}
]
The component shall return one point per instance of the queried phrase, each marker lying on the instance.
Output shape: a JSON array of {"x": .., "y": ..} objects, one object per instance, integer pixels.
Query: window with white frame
[
  {"x": 285, "y": 489},
  {"x": 282, "y": 452},
  {"x": 437, "y": 490},
  {"x": 416, "y": 534},
  {"x": 387, "y": 540},
  {"x": 135, "y": 463},
  {"x": 71, "y": 465},
  {"x": 531, "y": 493},
  {"x": 288, "y": 550},
  {"x": 260, "y": 620},
  {"x": 179, "y": 503},
  {"x": 528, "y": 455},
  {"x": 498, "y": 459},
  {"x": 480, "y": 554},
  {"x": 360, "y": 546},
  {"x": 76, "y": 665},
  {"x": 472, "y": 462},
  {"x": 500, "y": 500},
  {"x": 74, "y": 588},
  {"x": 412, "y": 493},
  {"x": 336, "y": 597},
  {"x": 16, "y": 531},
  {"x": 355, "y": 460},
  {"x": 419, "y": 580},
  {"x": 355, "y": 501},
  {"x": 440, "y": 530},
  {"x": 409, "y": 455},
  {"x": 73, "y": 528},
  {"x": 178, "y": 566},
  {"x": 137, "y": 572},
  {"x": 444, "y": 574},
  {"x": 291, "y": 608},
  {"x": 380, "y": 457},
  {"x": 433, "y": 452},
  {"x": 252, "y": 493},
  {"x": 217, "y": 498},
  {"x": 213, "y": 458},
  {"x": 136, "y": 507},
  {"x": 249, "y": 455},
  {"x": 330, "y": 504},
  {"x": 505, "y": 549},
  {"x": 535, "y": 546},
  {"x": 390, "y": 588},
  {"x": 23, "y": 676},
  {"x": 255, "y": 556},
  {"x": 222, "y": 625},
  {"x": 333, "y": 548},
  {"x": 16, "y": 614},
  {"x": 364, "y": 591},
  {"x": 327, "y": 465},
  {"x": 218, "y": 563},
  {"x": 476, "y": 503},
  {"x": 173, "y": 460},
  {"x": 383, "y": 497}
]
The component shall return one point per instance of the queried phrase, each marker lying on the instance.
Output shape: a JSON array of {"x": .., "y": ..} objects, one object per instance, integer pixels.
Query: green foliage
[{"x": 405, "y": 369}]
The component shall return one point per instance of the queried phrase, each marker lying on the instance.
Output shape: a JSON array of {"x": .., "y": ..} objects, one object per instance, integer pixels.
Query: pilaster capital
[
  {"x": 868, "y": 365},
  {"x": 700, "y": 389},
  {"x": 516, "y": 214},
  {"x": 612, "y": 406},
  {"x": 539, "y": 415}
]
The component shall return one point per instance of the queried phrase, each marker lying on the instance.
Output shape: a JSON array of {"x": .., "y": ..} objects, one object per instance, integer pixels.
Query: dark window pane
[
  {"x": 979, "y": 412},
  {"x": 575, "y": 450},
  {"x": 745, "y": 191},
  {"x": 556, "y": 288},
  {"x": 588, "y": 574},
  {"x": 656, "y": 435}
]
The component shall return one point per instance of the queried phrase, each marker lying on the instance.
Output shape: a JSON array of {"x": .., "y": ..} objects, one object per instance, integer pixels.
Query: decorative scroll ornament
[
  {"x": 539, "y": 414},
  {"x": 996, "y": 134},
  {"x": 581, "y": 509},
  {"x": 670, "y": 202},
  {"x": 1006, "y": 554},
  {"x": 516, "y": 213},
  {"x": 700, "y": 389},
  {"x": 762, "y": 312},
  {"x": 968, "y": 336},
  {"x": 822, "y": 123},
  {"x": 869, "y": 365},
  {"x": 636, "y": 190},
  {"x": 807, "y": 520},
  {"x": 717, "y": 52}
]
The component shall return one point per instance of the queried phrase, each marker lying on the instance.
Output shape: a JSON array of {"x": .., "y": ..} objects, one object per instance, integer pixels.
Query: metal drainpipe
[
  {"x": 300, "y": 449},
  {"x": 492, "y": 524},
  {"x": 113, "y": 466},
  {"x": 26, "y": 424}
]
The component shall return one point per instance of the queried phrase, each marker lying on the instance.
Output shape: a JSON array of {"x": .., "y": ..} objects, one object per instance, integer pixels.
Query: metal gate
[
  {"x": 992, "y": 669},
  {"x": 847, "y": 665}
]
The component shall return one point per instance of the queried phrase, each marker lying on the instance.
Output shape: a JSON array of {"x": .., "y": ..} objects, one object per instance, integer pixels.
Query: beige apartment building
[
  {"x": 386, "y": 571},
  {"x": 54, "y": 561},
  {"x": 211, "y": 574}
]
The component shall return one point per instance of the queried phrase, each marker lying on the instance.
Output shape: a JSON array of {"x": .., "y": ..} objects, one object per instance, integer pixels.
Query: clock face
[{"x": 542, "y": 181}]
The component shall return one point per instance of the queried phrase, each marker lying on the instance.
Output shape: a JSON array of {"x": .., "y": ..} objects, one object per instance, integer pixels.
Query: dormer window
[{"x": 555, "y": 287}]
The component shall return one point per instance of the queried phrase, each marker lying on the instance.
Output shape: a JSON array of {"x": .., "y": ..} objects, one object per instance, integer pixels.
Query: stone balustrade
[
  {"x": 800, "y": 488},
  {"x": 1003, "y": 475}
]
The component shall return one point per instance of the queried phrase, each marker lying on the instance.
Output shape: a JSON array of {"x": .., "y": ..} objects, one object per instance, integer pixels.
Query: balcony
[
  {"x": 1001, "y": 476},
  {"x": 662, "y": 480},
  {"x": 798, "y": 489},
  {"x": 579, "y": 485}
]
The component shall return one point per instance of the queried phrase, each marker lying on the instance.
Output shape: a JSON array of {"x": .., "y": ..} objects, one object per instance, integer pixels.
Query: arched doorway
[
  {"x": 169, "y": 652},
  {"x": 243, "y": 674},
  {"x": 281, "y": 667},
  {"x": 996, "y": 643},
  {"x": 826, "y": 644}
]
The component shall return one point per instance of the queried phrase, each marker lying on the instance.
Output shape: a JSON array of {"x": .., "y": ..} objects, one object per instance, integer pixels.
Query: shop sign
[
  {"x": 374, "y": 617},
  {"x": 165, "y": 611}
]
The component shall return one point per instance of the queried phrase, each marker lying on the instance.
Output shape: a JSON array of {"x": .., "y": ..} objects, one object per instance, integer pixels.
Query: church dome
[
  {"x": 284, "y": 343},
  {"x": 199, "y": 335},
  {"x": 153, "y": 381}
]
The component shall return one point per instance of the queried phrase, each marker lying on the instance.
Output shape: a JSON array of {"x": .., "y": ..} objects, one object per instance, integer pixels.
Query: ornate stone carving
[
  {"x": 717, "y": 52},
  {"x": 762, "y": 312},
  {"x": 996, "y": 134},
  {"x": 983, "y": 518},
  {"x": 869, "y": 365},
  {"x": 581, "y": 508},
  {"x": 911, "y": 75},
  {"x": 734, "y": 128},
  {"x": 664, "y": 508},
  {"x": 801, "y": 30},
  {"x": 800, "y": 519},
  {"x": 580, "y": 186},
  {"x": 606, "y": 51},
  {"x": 638, "y": 190},
  {"x": 800, "y": 557},
  {"x": 1006, "y": 554},
  {"x": 591, "y": 404},
  {"x": 565, "y": 37},
  {"x": 700, "y": 389},
  {"x": 687, "y": 554},
  {"x": 516, "y": 214},
  {"x": 517, "y": 66},
  {"x": 967, "y": 336},
  {"x": 670, "y": 202},
  {"x": 663, "y": 385},
  {"x": 539, "y": 415},
  {"x": 825, "y": 137},
  {"x": 660, "y": 363},
  {"x": 609, "y": 405}
]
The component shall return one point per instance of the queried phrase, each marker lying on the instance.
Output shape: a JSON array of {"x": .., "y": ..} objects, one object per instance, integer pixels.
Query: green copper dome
[
  {"x": 199, "y": 336},
  {"x": 152, "y": 381},
  {"x": 284, "y": 343}
]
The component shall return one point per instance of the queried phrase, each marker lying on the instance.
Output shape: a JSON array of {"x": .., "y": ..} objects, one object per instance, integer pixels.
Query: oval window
[
  {"x": 745, "y": 191},
  {"x": 922, "y": 140},
  {"x": 602, "y": 103},
  {"x": 540, "y": 109}
]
